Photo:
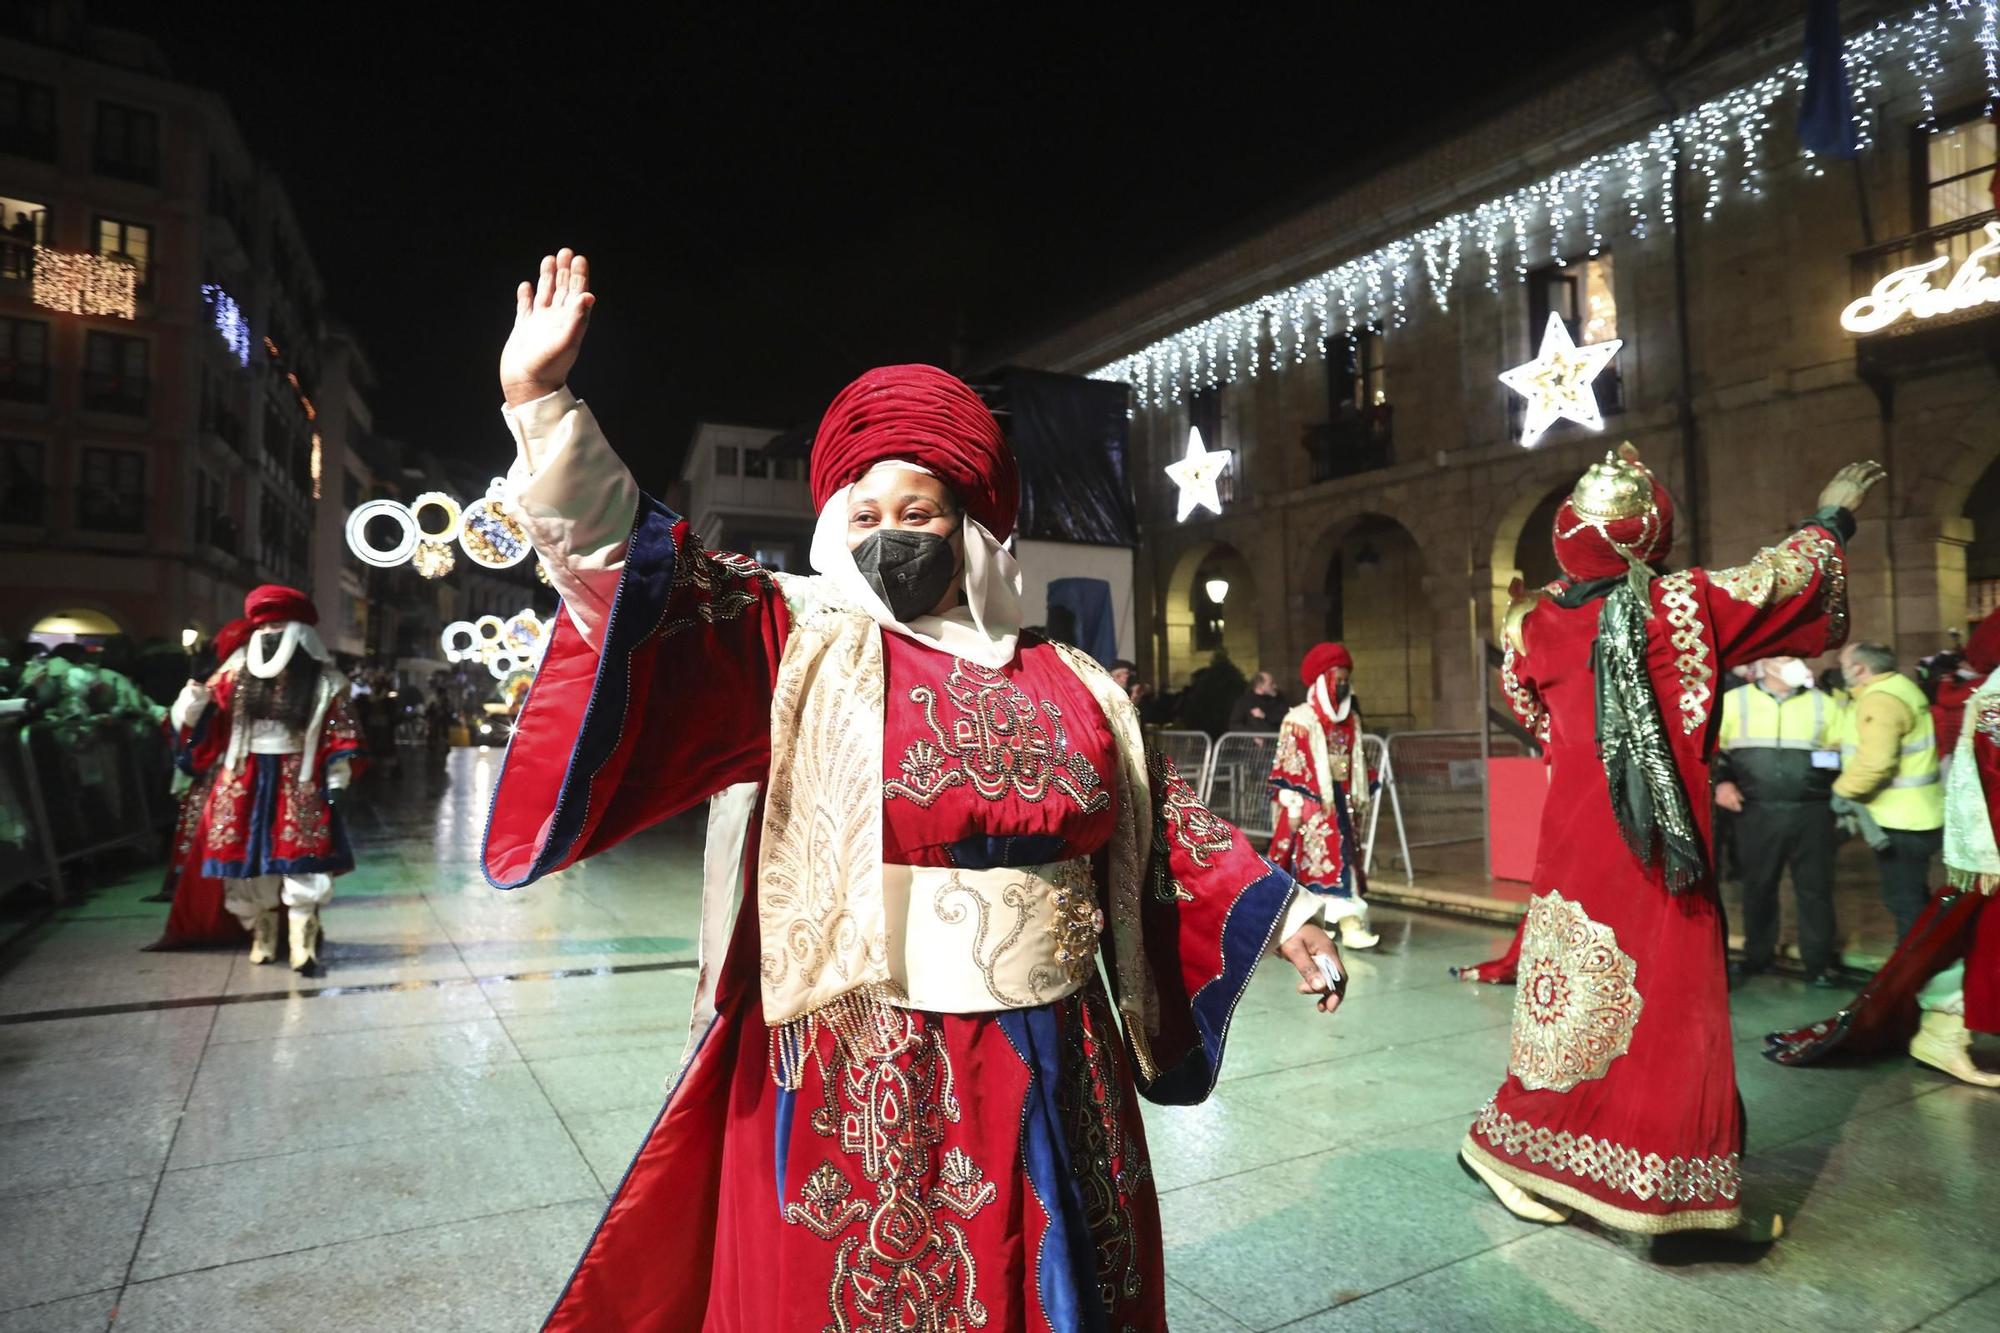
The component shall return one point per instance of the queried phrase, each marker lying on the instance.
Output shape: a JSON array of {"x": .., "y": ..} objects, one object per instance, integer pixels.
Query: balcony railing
[
  {"x": 24, "y": 381},
  {"x": 125, "y": 395},
  {"x": 1350, "y": 446}
]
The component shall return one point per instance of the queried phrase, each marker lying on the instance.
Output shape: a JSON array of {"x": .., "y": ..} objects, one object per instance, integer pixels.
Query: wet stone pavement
[{"x": 423, "y": 1138}]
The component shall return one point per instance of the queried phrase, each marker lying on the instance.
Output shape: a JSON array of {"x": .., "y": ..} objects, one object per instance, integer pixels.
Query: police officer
[
  {"x": 1889, "y": 770},
  {"x": 1775, "y": 773}
]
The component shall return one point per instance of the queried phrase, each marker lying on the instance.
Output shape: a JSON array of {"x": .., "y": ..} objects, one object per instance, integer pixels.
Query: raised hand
[
  {"x": 1850, "y": 485},
  {"x": 550, "y": 316}
]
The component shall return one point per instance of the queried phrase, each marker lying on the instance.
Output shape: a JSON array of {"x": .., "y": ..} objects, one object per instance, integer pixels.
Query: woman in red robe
[
  {"x": 1620, "y": 1097},
  {"x": 907, "y": 1102}
]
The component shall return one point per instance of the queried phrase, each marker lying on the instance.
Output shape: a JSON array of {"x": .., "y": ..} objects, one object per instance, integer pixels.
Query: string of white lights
[{"x": 1720, "y": 143}]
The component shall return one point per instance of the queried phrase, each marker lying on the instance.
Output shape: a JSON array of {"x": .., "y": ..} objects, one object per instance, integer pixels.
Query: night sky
[{"x": 773, "y": 202}]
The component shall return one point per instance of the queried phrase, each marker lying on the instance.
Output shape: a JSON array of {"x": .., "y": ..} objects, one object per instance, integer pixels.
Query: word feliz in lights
[
  {"x": 1719, "y": 144},
  {"x": 1908, "y": 294}
]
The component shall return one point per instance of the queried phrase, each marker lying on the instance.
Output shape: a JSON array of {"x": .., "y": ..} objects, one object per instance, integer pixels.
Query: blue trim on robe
[
  {"x": 1246, "y": 937},
  {"x": 1276, "y": 785},
  {"x": 987, "y": 851},
  {"x": 1066, "y": 1260},
  {"x": 636, "y": 608},
  {"x": 781, "y": 1119},
  {"x": 257, "y": 860}
]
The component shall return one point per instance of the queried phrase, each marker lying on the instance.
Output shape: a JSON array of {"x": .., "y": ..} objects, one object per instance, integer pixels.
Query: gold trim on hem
[{"x": 1625, "y": 1219}]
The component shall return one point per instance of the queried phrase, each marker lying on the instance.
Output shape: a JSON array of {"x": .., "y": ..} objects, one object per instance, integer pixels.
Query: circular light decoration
[
  {"x": 515, "y": 687},
  {"x": 459, "y": 641},
  {"x": 541, "y": 573},
  {"x": 433, "y": 560},
  {"x": 524, "y": 634},
  {"x": 357, "y": 533},
  {"x": 490, "y": 534},
  {"x": 504, "y": 664},
  {"x": 491, "y": 632},
  {"x": 452, "y": 516}
]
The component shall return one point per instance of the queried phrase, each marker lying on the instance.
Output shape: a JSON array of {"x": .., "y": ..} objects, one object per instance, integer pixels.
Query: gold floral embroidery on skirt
[
  {"x": 909, "y": 1265},
  {"x": 1577, "y": 1001}
]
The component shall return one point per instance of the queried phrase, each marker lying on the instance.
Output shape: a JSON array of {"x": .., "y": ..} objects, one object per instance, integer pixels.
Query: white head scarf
[
  {"x": 1324, "y": 698},
  {"x": 1969, "y": 844},
  {"x": 986, "y": 630}
]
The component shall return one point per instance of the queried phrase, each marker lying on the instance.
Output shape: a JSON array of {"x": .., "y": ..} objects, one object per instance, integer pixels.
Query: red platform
[{"x": 1515, "y": 792}]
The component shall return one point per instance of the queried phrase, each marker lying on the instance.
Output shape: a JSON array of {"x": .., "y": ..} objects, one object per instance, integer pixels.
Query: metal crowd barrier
[
  {"x": 73, "y": 789},
  {"x": 1190, "y": 751},
  {"x": 1442, "y": 777},
  {"x": 1236, "y": 787}
]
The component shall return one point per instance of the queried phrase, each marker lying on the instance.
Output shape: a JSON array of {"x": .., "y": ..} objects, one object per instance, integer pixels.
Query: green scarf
[{"x": 1647, "y": 798}]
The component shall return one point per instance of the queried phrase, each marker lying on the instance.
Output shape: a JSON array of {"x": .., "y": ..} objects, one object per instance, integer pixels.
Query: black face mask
[
  {"x": 1340, "y": 693},
  {"x": 908, "y": 570}
]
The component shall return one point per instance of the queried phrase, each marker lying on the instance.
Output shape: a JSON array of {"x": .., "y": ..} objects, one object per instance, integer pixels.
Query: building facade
[
  {"x": 164, "y": 442},
  {"x": 741, "y": 495},
  {"x": 1348, "y": 358}
]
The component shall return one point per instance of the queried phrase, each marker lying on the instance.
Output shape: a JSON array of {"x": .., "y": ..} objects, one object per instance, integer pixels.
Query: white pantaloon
[
  {"x": 1945, "y": 992},
  {"x": 247, "y": 899}
]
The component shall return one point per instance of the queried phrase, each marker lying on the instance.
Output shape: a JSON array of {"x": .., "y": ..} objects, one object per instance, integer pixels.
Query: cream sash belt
[{"x": 973, "y": 941}]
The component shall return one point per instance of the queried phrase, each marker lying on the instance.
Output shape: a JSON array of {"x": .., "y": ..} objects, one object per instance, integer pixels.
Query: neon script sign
[{"x": 1909, "y": 292}]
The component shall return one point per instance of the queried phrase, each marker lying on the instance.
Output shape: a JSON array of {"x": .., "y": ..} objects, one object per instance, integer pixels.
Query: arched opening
[
  {"x": 1211, "y": 608},
  {"x": 1375, "y": 603},
  {"x": 1977, "y": 538},
  {"x": 74, "y": 625},
  {"x": 1534, "y": 551}
]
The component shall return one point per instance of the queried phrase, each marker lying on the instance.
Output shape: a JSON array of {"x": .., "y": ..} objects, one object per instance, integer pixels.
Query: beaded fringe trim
[{"x": 869, "y": 1022}]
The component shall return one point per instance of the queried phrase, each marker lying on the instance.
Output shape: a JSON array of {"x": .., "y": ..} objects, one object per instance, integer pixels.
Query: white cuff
[
  {"x": 1306, "y": 910},
  {"x": 577, "y": 500},
  {"x": 189, "y": 706}
]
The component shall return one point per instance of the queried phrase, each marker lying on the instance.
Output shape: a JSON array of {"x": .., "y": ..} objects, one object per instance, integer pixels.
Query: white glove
[
  {"x": 193, "y": 702},
  {"x": 338, "y": 776}
]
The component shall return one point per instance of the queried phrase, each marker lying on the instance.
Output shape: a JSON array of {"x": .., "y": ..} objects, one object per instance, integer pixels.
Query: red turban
[
  {"x": 229, "y": 638},
  {"x": 1322, "y": 658},
  {"x": 275, "y": 604},
  {"x": 1982, "y": 647},
  {"x": 1585, "y": 550},
  {"x": 930, "y": 418}
]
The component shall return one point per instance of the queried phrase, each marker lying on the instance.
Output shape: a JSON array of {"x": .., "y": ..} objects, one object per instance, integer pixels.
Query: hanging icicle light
[{"x": 1719, "y": 143}]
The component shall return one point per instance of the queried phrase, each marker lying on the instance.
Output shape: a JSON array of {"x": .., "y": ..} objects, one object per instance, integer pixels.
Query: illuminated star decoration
[
  {"x": 1196, "y": 476},
  {"x": 1557, "y": 382}
]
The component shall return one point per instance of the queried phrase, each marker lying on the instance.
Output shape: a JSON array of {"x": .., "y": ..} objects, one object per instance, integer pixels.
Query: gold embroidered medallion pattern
[
  {"x": 1001, "y": 748},
  {"x": 1577, "y": 1002}
]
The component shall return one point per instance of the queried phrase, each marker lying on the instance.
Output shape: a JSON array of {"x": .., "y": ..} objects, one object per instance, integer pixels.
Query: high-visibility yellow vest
[
  {"x": 1753, "y": 720},
  {"x": 1914, "y": 798}
]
